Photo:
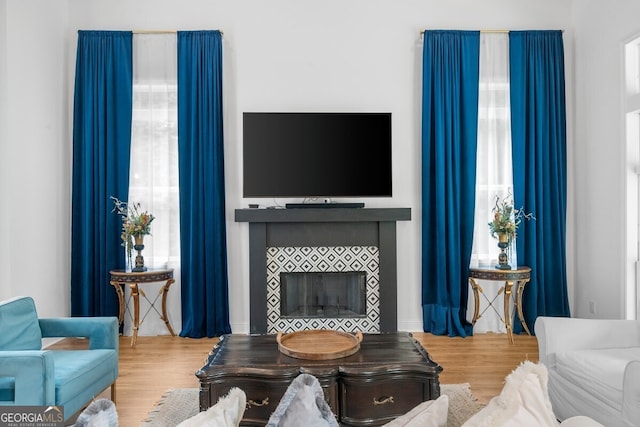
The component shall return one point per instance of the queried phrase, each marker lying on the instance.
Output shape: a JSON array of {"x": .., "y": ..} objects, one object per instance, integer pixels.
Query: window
[
  {"x": 632, "y": 132},
  {"x": 494, "y": 170},
  {"x": 494, "y": 175},
  {"x": 154, "y": 167},
  {"x": 153, "y": 174}
]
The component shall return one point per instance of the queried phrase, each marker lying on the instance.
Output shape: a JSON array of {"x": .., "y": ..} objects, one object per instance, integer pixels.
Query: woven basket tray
[{"x": 319, "y": 344}]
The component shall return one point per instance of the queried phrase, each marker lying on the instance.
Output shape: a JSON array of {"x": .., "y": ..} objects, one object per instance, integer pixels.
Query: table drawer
[
  {"x": 262, "y": 399},
  {"x": 371, "y": 403},
  {"x": 264, "y": 395}
]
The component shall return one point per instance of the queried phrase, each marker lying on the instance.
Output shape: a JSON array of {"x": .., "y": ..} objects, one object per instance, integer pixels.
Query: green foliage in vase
[
  {"x": 135, "y": 222},
  {"x": 506, "y": 218}
]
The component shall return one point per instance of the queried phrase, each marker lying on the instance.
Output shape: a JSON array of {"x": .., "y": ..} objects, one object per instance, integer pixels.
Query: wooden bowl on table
[{"x": 319, "y": 344}]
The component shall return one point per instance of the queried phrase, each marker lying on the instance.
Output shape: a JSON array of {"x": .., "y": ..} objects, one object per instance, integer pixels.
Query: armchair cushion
[
  {"x": 20, "y": 328},
  {"x": 76, "y": 369}
]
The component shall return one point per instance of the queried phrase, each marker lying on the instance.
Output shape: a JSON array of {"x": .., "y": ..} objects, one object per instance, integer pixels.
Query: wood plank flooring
[{"x": 160, "y": 363}]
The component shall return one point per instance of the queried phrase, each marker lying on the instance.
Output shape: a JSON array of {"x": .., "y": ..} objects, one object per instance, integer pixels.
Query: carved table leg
[
  {"x": 508, "y": 285},
  {"x": 519, "y": 292},
  {"x": 476, "y": 306},
  {"x": 136, "y": 313},
  {"x": 118, "y": 286},
  {"x": 165, "y": 291}
]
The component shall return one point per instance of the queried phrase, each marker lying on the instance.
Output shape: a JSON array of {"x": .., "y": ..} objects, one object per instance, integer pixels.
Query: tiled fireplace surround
[
  {"x": 318, "y": 263},
  {"x": 322, "y": 240}
]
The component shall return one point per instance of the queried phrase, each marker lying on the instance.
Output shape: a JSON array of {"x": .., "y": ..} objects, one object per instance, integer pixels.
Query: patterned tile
[{"x": 323, "y": 259}]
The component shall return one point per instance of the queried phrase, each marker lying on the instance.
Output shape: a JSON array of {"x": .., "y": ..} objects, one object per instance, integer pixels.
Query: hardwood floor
[
  {"x": 483, "y": 360},
  {"x": 158, "y": 364}
]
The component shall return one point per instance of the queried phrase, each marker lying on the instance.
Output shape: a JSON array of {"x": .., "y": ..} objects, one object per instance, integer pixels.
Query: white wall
[
  {"x": 601, "y": 28},
  {"x": 35, "y": 155},
  {"x": 294, "y": 55},
  {"x": 5, "y": 265}
]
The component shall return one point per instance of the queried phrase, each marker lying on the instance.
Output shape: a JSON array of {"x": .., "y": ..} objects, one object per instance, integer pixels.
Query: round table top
[
  {"x": 488, "y": 273},
  {"x": 150, "y": 275}
]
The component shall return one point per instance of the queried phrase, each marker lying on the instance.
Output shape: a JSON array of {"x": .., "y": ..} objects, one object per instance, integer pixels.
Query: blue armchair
[{"x": 30, "y": 375}]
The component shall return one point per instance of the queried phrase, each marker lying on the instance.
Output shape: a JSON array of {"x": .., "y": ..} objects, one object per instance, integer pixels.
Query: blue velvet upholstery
[
  {"x": 19, "y": 325},
  {"x": 68, "y": 378}
]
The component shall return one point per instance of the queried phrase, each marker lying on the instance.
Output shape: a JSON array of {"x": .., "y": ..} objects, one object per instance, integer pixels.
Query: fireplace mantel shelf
[{"x": 323, "y": 215}]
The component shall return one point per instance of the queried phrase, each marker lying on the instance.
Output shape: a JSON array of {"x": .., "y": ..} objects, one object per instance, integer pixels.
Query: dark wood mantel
[
  {"x": 322, "y": 227},
  {"x": 323, "y": 215}
]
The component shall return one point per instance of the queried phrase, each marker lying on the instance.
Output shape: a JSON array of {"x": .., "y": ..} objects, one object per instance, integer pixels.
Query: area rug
[{"x": 179, "y": 404}]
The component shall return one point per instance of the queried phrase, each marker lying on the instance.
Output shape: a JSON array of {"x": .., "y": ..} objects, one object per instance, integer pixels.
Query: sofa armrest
[
  {"x": 580, "y": 421},
  {"x": 33, "y": 372},
  {"x": 557, "y": 334},
  {"x": 101, "y": 331},
  {"x": 631, "y": 391}
]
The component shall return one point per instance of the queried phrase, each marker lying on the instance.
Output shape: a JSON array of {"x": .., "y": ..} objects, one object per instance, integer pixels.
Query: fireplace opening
[{"x": 323, "y": 294}]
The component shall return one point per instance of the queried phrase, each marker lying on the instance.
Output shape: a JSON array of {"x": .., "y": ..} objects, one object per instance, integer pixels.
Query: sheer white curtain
[
  {"x": 494, "y": 171},
  {"x": 154, "y": 168}
]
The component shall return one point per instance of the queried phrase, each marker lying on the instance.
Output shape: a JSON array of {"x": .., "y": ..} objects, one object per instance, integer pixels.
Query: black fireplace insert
[{"x": 323, "y": 294}]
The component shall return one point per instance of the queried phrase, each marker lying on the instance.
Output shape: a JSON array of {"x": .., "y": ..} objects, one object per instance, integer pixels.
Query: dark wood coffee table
[{"x": 388, "y": 376}]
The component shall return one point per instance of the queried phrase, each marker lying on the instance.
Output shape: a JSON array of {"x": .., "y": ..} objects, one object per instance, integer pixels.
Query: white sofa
[{"x": 594, "y": 368}]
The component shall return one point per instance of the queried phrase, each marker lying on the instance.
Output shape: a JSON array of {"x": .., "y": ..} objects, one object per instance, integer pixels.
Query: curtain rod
[
  {"x": 159, "y": 32},
  {"x": 489, "y": 31}
]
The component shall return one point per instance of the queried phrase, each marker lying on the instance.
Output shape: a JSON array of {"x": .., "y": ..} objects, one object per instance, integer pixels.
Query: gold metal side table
[
  {"x": 519, "y": 275},
  {"x": 120, "y": 278}
]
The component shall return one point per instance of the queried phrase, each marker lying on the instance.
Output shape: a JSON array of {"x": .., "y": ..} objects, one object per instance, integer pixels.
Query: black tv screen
[{"x": 316, "y": 154}]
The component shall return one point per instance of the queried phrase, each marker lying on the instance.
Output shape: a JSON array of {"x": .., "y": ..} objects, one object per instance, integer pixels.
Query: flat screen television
[{"x": 309, "y": 155}]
